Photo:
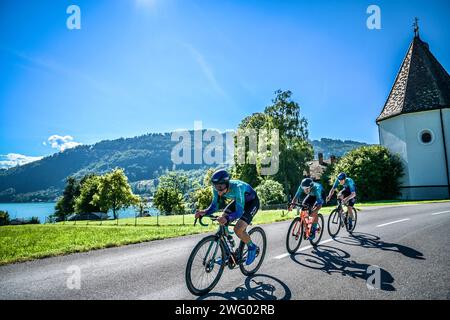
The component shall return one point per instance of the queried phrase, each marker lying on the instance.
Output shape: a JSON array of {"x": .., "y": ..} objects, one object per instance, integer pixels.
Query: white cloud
[
  {"x": 62, "y": 142},
  {"x": 14, "y": 159}
]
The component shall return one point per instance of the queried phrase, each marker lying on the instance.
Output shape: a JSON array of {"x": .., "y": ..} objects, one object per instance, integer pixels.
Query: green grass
[{"x": 27, "y": 242}]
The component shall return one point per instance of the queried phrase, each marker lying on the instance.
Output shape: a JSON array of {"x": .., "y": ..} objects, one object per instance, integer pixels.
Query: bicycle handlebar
[{"x": 212, "y": 217}]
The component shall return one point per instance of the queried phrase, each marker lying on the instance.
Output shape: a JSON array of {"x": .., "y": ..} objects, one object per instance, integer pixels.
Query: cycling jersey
[
  {"x": 239, "y": 191},
  {"x": 349, "y": 185},
  {"x": 316, "y": 191}
]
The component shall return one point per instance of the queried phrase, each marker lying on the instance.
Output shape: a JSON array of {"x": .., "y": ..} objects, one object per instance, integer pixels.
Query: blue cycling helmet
[
  {"x": 220, "y": 177},
  {"x": 341, "y": 176},
  {"x": 307, "y": 183}
]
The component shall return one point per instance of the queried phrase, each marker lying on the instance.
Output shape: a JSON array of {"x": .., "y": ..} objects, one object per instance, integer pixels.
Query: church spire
[{"x": 416, "y": 27}]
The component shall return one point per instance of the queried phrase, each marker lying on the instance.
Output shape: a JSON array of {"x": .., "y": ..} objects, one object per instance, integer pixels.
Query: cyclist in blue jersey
[
  {"x": 347, "y": 194},
  {"x": 244, "y": 206},
  {"x": 313, "y": 197}
]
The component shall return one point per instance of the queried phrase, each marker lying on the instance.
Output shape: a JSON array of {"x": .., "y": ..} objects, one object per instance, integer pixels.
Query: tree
[
  {"x": 169, "y": 201},
  {"x": 375, "y": 170},
  {"x": 202, "y": 197},
  {"x": 89, "y": 187},
  {"x": 270, "y": 192},
  {"x": 294, "y": 148},
  {"x": 175, "y": 179},
  {"x": 141, "y": 206},
  {"x": 66, "y": 204},
  {"x": 4, "y": 218},
  {"x": 114, "y": 192}
]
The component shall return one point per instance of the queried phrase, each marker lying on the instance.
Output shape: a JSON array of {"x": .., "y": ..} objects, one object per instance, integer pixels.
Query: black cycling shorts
[
  {"x": 345, "y": 193},
  {"x": 250, "y": 209}
]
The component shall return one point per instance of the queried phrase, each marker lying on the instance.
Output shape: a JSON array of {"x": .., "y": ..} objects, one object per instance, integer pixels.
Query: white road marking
[
  {"x": 397, "y": 221},
  {"x": 436, "y": 213},
  {"x": 284, "y": 255}
]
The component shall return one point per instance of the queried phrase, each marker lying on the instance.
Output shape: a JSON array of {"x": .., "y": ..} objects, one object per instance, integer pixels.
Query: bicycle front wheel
[
  {"x": 294, "y": 236},
  {"x": 258, "y": 237},
  {"x": 205, "y": 266},
  {"x": 334, "y": 223}
]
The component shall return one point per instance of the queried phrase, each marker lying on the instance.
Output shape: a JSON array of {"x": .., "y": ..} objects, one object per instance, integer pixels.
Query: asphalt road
[{"x": 408, "y": 246}]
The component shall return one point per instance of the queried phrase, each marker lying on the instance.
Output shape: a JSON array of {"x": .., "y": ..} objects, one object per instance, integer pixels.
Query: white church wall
[
  {"x": 446, "y": 121},
  {"x": 424, "y": 164},
  {"x": 392, "y": 136},
  {"x": 426, "y": 161}
]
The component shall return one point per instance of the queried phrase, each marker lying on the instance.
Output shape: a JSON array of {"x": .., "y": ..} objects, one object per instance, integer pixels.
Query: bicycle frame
[
  {"x": 306, "y": 219},
  {"x": 221, "y": 237}
]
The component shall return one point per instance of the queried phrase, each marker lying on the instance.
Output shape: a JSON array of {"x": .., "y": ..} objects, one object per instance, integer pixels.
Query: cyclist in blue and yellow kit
[
  {"x": 347, "y": 194},
  {"x": 244, "y": 206},
  {"x": 313, "y": 197}
]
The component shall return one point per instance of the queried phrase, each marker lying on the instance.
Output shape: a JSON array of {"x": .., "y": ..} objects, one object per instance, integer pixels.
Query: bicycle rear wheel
[
  {"x": 319, "y": 231},
  {"x": 258, "y": 237},
  {"x": 204, "y": 269},
  {"x": 334, "y": 223},
  {"x": 294, "y": 236}
]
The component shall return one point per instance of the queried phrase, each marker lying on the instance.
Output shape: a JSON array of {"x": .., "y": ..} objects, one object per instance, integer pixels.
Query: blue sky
[{"x": 139, "y": 66}]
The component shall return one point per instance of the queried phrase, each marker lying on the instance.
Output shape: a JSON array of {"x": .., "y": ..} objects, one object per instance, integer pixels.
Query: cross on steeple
[{"x": 416, "y": 27}]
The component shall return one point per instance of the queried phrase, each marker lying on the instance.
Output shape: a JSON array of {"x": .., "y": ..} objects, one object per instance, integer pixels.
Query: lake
[{"x": 45, "y": 209}]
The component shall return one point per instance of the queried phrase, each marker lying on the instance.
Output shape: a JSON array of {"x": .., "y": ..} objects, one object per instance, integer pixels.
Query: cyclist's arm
[
  {"x": 297, "y": 195},
  {"x": 319, "y": 201},
  {"x": 335, "y": 185},
  {"x": 213, "y": 206}
]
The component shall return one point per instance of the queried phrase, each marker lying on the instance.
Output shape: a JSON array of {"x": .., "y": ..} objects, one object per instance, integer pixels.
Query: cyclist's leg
[
  {"x": 250, "y": 209},
  {"x": 310, "y": 201},
  {"x": 345, "y": 194}
]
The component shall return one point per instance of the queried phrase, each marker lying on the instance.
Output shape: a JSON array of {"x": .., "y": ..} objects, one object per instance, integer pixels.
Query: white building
[{"x": 415, "y": 123}]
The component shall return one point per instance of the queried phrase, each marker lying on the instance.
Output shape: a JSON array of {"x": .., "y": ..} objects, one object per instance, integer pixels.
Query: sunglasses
[
  {"x": 220, "y": 187},
  {"x": 306, "y": 189}
]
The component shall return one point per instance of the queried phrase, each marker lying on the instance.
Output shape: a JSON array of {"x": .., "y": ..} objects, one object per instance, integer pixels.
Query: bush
[
  {"x": 270, "y": 192},
  {"x": 4, "y": 218},
  {"x": 375, "y": 170}
]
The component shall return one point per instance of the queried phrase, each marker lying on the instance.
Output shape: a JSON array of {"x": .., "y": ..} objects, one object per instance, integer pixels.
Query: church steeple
[
  {"x": 422, "y": 83},
  {"x": 416, "y": 27}
]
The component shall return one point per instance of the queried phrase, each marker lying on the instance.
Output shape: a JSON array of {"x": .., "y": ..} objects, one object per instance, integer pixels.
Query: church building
[{"x": 415, "y": 123}]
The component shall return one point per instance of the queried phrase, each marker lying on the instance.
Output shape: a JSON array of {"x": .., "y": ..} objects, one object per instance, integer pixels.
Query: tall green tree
[
  {"x": 294, "y": 149},
  {"x": 66, "y": 204},
  {"x": 175, "y": 179},
  {"x": 89, "y": 187},
  {"x": 114, "y": 192},
  {"x": 169, "y": 201}
]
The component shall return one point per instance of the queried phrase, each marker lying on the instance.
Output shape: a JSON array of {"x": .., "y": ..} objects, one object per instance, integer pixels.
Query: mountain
[
  {"x": 334, "y": 147},
  {"x": 143, "y": 158}
]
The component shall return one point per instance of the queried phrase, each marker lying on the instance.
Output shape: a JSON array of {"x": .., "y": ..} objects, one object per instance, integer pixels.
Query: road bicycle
[
  {"x": 210, "y": 256},
  {"x": 339, "y": 218},
  {"x": 300, "y": 228}
]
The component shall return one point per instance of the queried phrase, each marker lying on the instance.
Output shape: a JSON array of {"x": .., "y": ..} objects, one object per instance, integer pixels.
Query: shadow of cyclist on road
[
  {"x": 367, "y": 240},
  {"x": 332, "y": 260},
  {"x": 256, "y": 287}
]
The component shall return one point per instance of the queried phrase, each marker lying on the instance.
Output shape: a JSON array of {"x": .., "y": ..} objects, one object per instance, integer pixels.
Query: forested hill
[{"x": 143, "y": 158}]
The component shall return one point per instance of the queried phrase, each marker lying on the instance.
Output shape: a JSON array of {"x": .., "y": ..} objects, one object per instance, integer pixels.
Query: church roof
[{"x": 422, "y": 83}]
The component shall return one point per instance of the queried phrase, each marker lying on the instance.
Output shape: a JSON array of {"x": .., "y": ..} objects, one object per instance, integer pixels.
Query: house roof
[{"x": 422, "y": 83}]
